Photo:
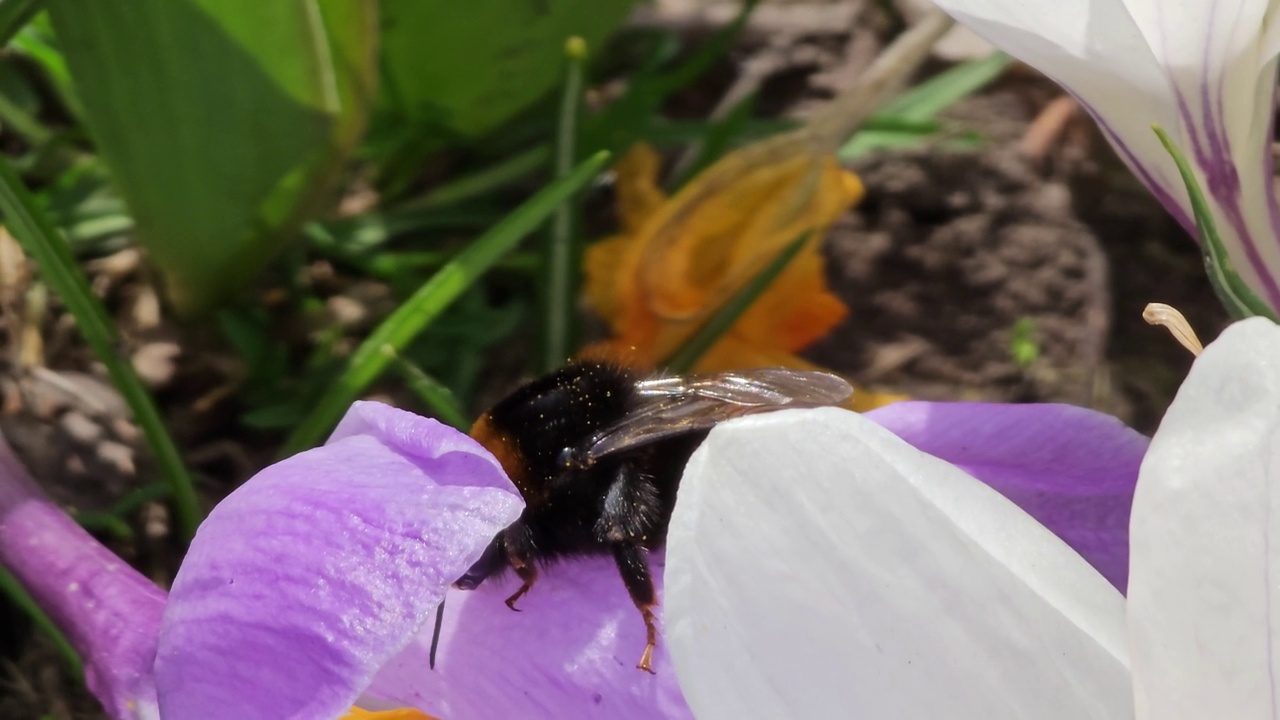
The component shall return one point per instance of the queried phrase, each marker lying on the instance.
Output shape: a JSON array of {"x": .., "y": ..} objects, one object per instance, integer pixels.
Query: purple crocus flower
[
  {"x": 762, "y": 487},
  {"x": 296, "y": 588},
  {"x": 311, "y": 588},
  {"x": 1203, "y": 70}
]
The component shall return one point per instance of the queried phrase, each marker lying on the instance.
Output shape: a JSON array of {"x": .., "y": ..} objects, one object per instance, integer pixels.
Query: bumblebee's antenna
[{"x": 435, "y": 634}]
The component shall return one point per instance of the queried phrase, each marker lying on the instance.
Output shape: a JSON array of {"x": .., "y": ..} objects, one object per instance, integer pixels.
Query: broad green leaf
[
  {"x": 462, "y": 69},
  {"x": 223, "y": 121}
]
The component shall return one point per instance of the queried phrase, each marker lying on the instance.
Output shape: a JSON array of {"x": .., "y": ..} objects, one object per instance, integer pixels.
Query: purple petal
[
  {"x": 1073, "y": 470},
  {"x": 109, "y": 612},
  {"x": 570, "y": 653},
  {"x": 305, "y": 580}
]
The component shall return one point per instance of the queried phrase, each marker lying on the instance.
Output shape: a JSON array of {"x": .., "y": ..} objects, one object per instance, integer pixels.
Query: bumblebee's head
[{"x": 534, "y": 431}]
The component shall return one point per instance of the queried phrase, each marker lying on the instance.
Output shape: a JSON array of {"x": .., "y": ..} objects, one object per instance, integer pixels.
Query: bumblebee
[{"x": 597, "y": 451}]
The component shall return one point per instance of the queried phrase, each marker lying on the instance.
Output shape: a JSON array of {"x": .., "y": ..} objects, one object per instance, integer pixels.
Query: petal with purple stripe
[
  {"x": 570, "y": 652},
  {"x": 306, "y": 579},
  {"x": 1204, "y": 71}
]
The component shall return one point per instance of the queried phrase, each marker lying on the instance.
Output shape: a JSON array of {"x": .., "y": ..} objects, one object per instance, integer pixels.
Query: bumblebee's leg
[
  {"x": 519, "y": 545},
  {"x": 633, "y": 565},
  {"x": 627, "y": 522}
]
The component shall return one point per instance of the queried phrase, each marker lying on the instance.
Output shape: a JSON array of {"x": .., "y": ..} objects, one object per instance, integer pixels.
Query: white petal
[
  {"x": 1203, "y": 70},
  {"x": 820, "y": 567},
  {"x": 1095, "y": 50},
  {"x": 1205, "y": 536}
]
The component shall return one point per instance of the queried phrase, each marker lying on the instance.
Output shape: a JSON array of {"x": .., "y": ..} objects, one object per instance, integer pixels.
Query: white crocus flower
[
  {"x": 880, "y": 582},
  {"x": 1205, "y": 70}
]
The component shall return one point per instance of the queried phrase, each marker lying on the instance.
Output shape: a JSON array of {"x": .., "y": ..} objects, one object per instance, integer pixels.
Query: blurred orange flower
[{"x": 678, "y": 259}]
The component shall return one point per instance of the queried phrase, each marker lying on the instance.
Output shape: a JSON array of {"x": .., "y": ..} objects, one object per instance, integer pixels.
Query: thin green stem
[
  {"x": 10, "y": 586},
  {"x": 432, "y": 392},
  {"x": 34, "y": 231},
  {"x": 560, "y": 276}
]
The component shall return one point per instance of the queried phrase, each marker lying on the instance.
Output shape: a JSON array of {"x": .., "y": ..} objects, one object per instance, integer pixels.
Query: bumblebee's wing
[{"x": 676, "y": 405}]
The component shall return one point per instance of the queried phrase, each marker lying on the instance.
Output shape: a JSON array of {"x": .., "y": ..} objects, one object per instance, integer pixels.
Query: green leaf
[
  {"x": 924, "y": 101},
  {"x": 38, "y": 43},
  {"x": 695, "y": 347},
  {"x": 411, "y": 318},
  {"x": 224, "y": 122},
  {"x": 14, "y": 14},
  {"x": 10, "y": 586},
  {"x": 1239, "y": 299},
  {"x": 911, "y": 113},
  {"x": 433, "y": 393},
  {"x": 463, "y": 69}
]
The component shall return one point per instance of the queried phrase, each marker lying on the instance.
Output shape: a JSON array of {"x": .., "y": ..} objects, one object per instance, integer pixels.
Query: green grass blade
[
  {"x": 444, "y": 405},
  {"x": 14, "y": 15},
  {"x": 917, "y": 107},
  {"x": 10, "y": 586},
  {"x": 687, "y": 356},
  {"x": 563, "y": 251},
  {"x": 35, "y": 233},
  {"x": 1240, "y": 301},
  {"x": 708, "y": 53},
  {"x": 485, "y": 180},
  {"x": 411, "y": 318},
  {"x": 924, "y": 101},
  {"x": 101, "y": 522}
]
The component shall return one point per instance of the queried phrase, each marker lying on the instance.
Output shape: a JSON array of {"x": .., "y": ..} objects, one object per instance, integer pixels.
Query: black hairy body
[{"x": 597, "y": 452}]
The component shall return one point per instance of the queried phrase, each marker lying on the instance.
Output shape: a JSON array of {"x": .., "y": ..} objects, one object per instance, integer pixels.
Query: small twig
[
  {"x": 834, "y": 123},
  {"x": 1047, "y": 128}
]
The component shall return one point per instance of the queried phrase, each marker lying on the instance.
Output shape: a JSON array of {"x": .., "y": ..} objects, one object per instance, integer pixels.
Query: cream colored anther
[{"x": 1175, "y": 323}]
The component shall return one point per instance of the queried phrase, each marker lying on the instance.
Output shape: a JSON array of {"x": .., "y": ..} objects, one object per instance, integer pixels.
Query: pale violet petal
[
  {"x": 303, "y": 582},
  {"x": 108, "y": 611},
  {"x": 570, "y": 652},
  {"x": 820, "y": 567},
  {"x": 1204, "y": 611}
]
